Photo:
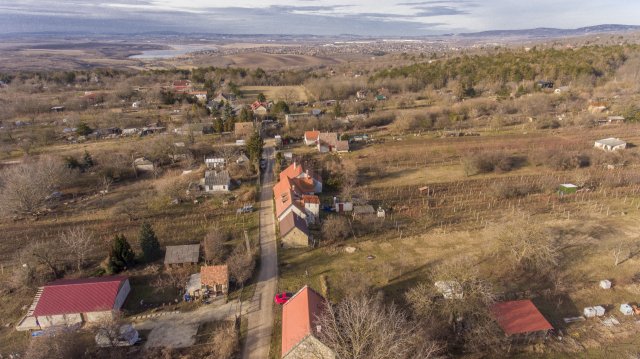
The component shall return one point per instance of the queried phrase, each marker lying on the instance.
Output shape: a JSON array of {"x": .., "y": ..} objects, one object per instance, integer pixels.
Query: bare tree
[
  {"x": 241, "y": 265},
  {"x": 617, "y": 254},
  {"x": 26, "y": 188},
  {"x": 528, "y": 246},
  {"x": 46, "y": 254},
  {"x": 79, "y": 243},
  {"x": 58, "y": 343},
  {"x": 464, "y": 314},
  {"x": 335, "y": 228},
  {"x": 214, "y": 250},
  {"x": 224, "y": 342},
  {"x": 364, "y": 328}
]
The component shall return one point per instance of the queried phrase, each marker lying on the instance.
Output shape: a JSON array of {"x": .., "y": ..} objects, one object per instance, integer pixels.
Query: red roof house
[
  {"x": 519, "y": 317},
  {"x": 311, "y": 137},
  {"x": 299, "y": 326},
  {"x": 66, "y": 302}
]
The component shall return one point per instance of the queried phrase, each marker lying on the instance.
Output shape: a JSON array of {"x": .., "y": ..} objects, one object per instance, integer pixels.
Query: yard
[{"x": 462, "y": 216}]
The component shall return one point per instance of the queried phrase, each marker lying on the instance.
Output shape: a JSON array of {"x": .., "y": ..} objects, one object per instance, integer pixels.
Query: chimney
[{"x": 295, "y": 165}]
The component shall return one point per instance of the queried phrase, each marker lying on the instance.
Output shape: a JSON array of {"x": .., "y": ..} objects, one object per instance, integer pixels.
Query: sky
[{"x": 317, "y": 17}]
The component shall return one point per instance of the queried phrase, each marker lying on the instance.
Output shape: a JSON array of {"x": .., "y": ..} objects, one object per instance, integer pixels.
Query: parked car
[
  {"x": 282, "y": 298},
  {"x": 247, "y": 208}
]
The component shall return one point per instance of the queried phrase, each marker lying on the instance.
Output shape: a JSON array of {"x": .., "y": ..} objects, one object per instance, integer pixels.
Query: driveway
[
  {"x": 260, "y": 311},
  {"x": 179, "y": 330}
]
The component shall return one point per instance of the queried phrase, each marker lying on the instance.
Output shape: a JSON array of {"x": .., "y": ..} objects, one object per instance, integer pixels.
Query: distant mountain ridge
[{"x": 554, "y": 32}]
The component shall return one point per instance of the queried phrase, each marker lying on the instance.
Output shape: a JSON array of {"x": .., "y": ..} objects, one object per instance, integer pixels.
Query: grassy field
[
  {"x": 275, "y": 93},
  {"x": 462, "y": 217}
]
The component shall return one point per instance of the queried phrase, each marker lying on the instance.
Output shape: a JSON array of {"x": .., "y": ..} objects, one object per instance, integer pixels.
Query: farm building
[
  {"x": 184, "y": 254},
  {"x": 215, "y": 279},
  {"x": 329, "y": 142},
  {"x": 217, "y": 181},
  {"x": 611, "y": 144},
  {"x": 294, "y": 231},
  {"x": 567, "y": 188},
  {"x": 299, "y": 329},
  {"x": 74, "y": 301},
  {"x": 520, "y": 317}
]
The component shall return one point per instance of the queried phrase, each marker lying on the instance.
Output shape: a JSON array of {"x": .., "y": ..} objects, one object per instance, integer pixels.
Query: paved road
[
  {"x": 260, "y": 311},
  {"x": 179, "y": 330}
]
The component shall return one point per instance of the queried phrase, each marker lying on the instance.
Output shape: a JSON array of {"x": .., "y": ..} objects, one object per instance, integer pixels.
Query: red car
[{"x": 282, "y": 298}]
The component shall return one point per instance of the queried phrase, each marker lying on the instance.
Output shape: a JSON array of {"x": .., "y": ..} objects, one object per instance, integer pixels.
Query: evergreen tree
[
  {"x": 83, "y": 129},
  {"x": 246, "y": 115},
  {"x": 262, "y": 97},
  {"x": 254, "y": 147},
  {"x": 218, "y": 125},
  {"x": 121, "y": 256},
  {"x": 149, "y": 243}
]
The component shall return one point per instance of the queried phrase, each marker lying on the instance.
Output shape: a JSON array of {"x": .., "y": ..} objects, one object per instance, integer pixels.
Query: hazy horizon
[{"x": 322, "y": 17}]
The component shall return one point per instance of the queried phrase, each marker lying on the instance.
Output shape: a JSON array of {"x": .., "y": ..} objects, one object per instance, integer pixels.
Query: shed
[
  {"x": 520, "y": 317},
  {"x": 605, "y": 284},
  {"x": 215, "y": 279},
  {"x": 567, "y": 188},
  {"x": 611, "y": 144},
  {"x": 364, "y": 210},
  {"x": 184, "y": 254}
]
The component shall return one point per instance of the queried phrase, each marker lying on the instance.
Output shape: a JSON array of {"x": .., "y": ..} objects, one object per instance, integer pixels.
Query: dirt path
[
  {"x": 260, "y": 311},
  {"x": 179, "y": 330}
]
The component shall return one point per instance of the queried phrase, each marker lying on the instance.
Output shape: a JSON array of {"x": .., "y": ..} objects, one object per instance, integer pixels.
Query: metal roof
[
  {"x": 79, "y": 296},
  {"x": 519, "y": 317}
]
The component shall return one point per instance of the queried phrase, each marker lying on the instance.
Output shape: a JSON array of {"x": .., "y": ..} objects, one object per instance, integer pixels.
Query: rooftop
[
  {"x": 519, "y": 317},
  {"x": 189, "y": 253},
  {"x": 611, "y": 142},
  {"x": 299, "y": 317},
  {"x": 291, "y": 221},
  {"x": 84, "y": 295},
  {"x": 212, "y": 275}
]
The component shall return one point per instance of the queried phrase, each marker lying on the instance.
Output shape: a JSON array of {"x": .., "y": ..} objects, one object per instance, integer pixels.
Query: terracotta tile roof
[
  {"x": 299, "y": 317},
  {"x": 79, "y": 296},
  {"x": 303, "y": 185},
  {"x": 283, "y": 196},
  {"x": 519, "y": 317},
  {"x": 212, "y": 275},
  {"x": 291, "y": 221},
  {"x": 311, "y": 199},
  {"x": 311, "y": 135}
]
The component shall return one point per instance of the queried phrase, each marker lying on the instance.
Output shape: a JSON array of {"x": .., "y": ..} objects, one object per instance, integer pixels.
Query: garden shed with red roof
[
  {"x": 520, "y": 317},
  {"x": 74, "y": 301}
]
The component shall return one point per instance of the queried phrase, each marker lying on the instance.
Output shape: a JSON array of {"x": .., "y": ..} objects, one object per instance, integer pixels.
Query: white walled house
[
  {"x": 217, "y": 181},
  {"x": 70, "y": 302}
]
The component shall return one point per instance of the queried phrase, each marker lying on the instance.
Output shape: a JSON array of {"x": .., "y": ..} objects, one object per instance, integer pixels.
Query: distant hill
[{"x": 553, "y": 32}]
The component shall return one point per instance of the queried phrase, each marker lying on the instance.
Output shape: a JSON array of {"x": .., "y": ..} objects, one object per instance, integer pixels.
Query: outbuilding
[
  {"x": 74, "y": 301},
  {"x": 611, "y": 144}
]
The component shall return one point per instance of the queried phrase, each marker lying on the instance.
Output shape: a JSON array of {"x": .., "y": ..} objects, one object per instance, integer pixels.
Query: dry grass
[{"x": 276, "y": 93}]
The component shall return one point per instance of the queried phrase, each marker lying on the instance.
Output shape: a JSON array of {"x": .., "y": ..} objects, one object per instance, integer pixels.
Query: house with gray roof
[{"x": 217, "y": 181}]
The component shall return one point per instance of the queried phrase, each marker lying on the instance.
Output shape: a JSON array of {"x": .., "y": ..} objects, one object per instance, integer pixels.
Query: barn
[{"x": 74, "y": 301}]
